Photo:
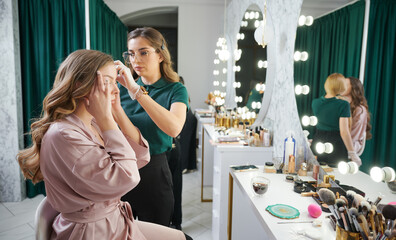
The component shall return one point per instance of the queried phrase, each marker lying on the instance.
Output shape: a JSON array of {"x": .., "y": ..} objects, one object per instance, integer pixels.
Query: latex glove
[
  {"x": 125, "y": 77},
  {"x": 354, "y": 158}
]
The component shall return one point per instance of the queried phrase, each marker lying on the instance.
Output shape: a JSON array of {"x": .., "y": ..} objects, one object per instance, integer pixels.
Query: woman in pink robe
[
  {"x": 360, "y": 124},
  {"x": 88, "y": 153}
]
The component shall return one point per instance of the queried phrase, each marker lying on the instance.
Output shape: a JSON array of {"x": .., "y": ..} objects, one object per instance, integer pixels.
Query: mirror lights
[
  {"x": 386, "y": 174},
  {"x": 350, "y": 167}
]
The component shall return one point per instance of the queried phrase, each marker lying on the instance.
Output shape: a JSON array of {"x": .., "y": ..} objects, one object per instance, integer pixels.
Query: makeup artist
[
  {"x": 157, "y": 104},
  {"x": 333, "y": 123}
]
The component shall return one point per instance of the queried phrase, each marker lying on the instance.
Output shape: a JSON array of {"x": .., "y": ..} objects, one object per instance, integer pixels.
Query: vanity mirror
[{"x": 250, "y": 61}]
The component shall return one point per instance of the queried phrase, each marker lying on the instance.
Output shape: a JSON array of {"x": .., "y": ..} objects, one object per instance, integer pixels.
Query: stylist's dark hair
[
  {"x": 358, "y": 99},
  {"x": 158, "y": 42}
]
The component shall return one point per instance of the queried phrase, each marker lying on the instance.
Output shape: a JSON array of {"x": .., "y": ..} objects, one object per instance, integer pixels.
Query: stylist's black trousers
[
  {"x": 152, "y": 199},
  {"x": 175, "y": 166}
]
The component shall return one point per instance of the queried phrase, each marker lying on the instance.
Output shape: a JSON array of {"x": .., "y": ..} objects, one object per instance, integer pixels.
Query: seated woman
[
  {"x": 360, "y": 126},
  {"x": 332, "y": 127},
  {"x": 88, "y": 153}
]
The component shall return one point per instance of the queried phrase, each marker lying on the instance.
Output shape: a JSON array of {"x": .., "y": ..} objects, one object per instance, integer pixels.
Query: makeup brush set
[{"x": 357, "y": 218}]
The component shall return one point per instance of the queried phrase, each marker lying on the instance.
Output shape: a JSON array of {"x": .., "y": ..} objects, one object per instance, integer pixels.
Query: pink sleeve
[
  {"x": 111, "y": 170},
  {"x": 141, "y": 150},
  {"x": 359, "y": 125}
]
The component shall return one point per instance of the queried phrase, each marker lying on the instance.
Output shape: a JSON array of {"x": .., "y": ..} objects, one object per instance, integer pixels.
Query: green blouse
[
  {"x": 329, "y": 111},
  {"x": 164, "y": 93}
]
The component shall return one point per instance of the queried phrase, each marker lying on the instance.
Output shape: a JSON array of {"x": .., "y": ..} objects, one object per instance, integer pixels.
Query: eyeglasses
[{"x": 141, "y": 55}]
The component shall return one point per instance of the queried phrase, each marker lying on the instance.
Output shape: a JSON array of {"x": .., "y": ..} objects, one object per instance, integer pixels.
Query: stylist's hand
[
  {"x": 98, "y": 104},
  {"x": 354, "y": 158},
  {"x": 125, "y": 77}
]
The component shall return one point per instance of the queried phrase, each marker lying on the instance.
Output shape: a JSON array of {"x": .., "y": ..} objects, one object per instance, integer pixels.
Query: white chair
[{"x": 43, "y": 220}]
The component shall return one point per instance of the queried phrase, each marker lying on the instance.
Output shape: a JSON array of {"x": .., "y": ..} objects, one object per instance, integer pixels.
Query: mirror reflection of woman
[
  {"x": 88, "y": 153},
  {"x": 157, "y": 104},
  {"x": 360, "y": 125},
  {"x": 333, "y": 123}
]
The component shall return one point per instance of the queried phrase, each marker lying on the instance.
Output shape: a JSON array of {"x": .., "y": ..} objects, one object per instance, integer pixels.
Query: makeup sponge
[{"x": 314, "y": 210}]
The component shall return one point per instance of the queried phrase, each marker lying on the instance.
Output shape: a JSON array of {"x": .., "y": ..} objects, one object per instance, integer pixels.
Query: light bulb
[
  {"x": 256, "y": 23},
  {"x": 216, "y": 61},
  {"x": 305, "y": 121},
  {"x": 328, "y": 148},
  {"x": 253, "y": 105},
  {"x": 265, "y": 64},
  {"x": 350, "y": 167},
  {"x": 297, "y": 56},
  {"x": 223, "y": 84},
  {"x": 389, "y": 174},
  {"x": 258, "y": 87},
  {"x": 343, "y": 167},
  {"x": 313, "y": 120},
  {"x": 376, "y": 174},
  {"x": 298, "y": 89},
  {"x": 260, "y": 64},
  {"x": 251, "y": 15},
  {"x": 253, "y": 114},
  {"x": 305, "y": 89},
  {"x": 320, "y": 148},
  {"x": 239, "y": 84},
  {"x": 224, "y": 70},
  {"x": 247, "y": 15},
  {"x": 309, "y": 20},
  {"x": 304, "y": 56},
  {"x": 301, "y": 20},
  {"x": 258, "y": 105}
]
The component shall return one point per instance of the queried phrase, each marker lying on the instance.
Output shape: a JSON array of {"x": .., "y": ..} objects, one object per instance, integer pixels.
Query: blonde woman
[
  {"x": 88, "y": 153},
  {"x": 333, "y": 116},
  {"x": 157, "y": 104}
]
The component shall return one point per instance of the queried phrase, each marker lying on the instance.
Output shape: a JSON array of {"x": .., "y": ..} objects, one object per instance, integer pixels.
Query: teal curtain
[
  {"x": 49, "y": 31},
  {"x": 333, "y": 43},
  {"x": 108, "y": 33},
  {"x": 380, "y": 85}
]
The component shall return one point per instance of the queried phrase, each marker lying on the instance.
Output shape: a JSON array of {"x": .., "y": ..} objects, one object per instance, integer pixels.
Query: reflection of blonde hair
[
  {"x": 335, "y": 84},
  {"x": 158, "y": 42},
  {"x": 73, "y": 81}
]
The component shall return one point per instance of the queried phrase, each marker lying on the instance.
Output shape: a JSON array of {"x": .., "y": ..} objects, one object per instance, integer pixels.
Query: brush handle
[
  {"x": 359, "y": 228},
  {"x": 371, "y": 216},
  {"x": 353, "y": 228},
  {"x": 346, "y": 225}
]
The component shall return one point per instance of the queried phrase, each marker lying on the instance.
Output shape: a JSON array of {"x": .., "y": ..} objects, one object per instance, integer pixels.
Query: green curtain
[
  {"x": 380, "y": 85},
  {"x": 333, "y": 43},
  {"x": 108, "y": 33},
  {"x": 49, "y": 31}
]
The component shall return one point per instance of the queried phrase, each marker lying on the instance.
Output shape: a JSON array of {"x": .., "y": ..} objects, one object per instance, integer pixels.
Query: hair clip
[{"x": 163, "y": 46}]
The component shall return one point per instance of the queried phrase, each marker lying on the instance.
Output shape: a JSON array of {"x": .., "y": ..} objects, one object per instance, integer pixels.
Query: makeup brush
[
  {"x": 350, "y": 195},
  {"x": 366, "y": 207},
  {"x": 354, "y": 214},
  {"x": 345, "y": 200},
  {"x": 361, "y": 219},
  {"x": 379, "y": 222},
  {"x": 373, "y": 226},
  {"x": 344, "y": 219},
  {"x": 389, "y": 212},
  {"x": 329, "y": 198},
  {"x": 340, "y": 203},
  {"x": 357, "y": 199}
]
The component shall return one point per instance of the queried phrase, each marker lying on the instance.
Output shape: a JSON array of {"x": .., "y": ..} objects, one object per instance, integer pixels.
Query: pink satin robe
[
  {"x": 358, "y": 128},
  {"x": 85, "y": 180}
]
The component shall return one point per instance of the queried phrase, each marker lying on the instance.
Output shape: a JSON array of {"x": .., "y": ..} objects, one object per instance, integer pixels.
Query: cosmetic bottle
[
  {"x": 289, "y": 148},
  {"x": 292, "y": 164}
]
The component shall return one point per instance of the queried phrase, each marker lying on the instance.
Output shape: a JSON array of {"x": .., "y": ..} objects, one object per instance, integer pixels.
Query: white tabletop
[{"x": 281, "y": 192}]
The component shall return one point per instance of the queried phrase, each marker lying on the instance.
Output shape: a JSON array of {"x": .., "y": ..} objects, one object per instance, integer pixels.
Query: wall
[
  {"x": 200, "y": 25},
  {"x": 12, "y": 185}
]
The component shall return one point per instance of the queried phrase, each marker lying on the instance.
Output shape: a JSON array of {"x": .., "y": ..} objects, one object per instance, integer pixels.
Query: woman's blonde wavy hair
[
  {"x": 335, "y": 84},
  {"x": 158, "y": 42},
  {"x": 74, "y": 80}
]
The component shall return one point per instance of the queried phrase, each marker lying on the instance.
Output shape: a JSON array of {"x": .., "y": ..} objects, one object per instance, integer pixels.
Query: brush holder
[{"x": 342, "y": 234}]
